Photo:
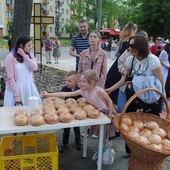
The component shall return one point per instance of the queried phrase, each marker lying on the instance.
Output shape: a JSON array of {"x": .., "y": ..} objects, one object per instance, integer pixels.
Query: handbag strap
[{"x": 132, "y": 65}]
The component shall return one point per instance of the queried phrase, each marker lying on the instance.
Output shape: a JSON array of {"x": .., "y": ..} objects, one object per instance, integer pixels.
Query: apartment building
[{"x": 59, "y": 9}]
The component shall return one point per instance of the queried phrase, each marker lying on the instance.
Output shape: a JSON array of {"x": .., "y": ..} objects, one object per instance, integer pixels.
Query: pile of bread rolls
[
  {"x": 57, "y": 110},
  {"x": 147, "y": 133}
]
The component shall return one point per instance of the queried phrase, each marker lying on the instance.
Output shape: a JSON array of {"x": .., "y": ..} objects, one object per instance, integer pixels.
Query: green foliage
[
  {"x": 71, "y": 28},
  {"x": 152, "y": 16},
  {"x": 65, "y": 42},
  {"x": 89, "y": 9},
  {"x": 3, "y": 42}
]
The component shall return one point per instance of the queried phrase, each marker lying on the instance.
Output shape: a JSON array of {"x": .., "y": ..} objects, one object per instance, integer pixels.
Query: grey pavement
[
  {"x": 72, "y": 159},
  {"x": 66, "y": 62}
]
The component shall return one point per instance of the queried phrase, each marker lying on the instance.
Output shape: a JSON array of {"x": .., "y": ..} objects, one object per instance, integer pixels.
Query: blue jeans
[{"x": 121, "y": 101}]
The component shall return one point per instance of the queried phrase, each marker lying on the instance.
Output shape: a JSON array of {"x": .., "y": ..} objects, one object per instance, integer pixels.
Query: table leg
[
  {"x": 85, "y": 142},
  {"x": 100, "y": 147}
]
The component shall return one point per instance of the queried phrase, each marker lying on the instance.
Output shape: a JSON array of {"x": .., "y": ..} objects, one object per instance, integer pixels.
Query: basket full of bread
[
  {"x": 57, "y": 110},
  {"x": 147, "y": 135}
]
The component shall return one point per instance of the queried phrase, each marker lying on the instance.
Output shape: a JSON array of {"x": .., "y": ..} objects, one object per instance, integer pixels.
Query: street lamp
[{"x": 99, "y": 14}]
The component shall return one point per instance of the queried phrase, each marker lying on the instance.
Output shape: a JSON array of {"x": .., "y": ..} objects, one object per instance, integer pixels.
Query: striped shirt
[{"x": 80, "y": 44}]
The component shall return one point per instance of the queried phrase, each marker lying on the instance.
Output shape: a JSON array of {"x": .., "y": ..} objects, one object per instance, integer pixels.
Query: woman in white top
[
  {"x": 142, "y": 63},
  {"x": 164, "y": 59}
]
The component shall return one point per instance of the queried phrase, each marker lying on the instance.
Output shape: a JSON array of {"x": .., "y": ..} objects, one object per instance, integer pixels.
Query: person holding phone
[{"x": 20, "y": 65}]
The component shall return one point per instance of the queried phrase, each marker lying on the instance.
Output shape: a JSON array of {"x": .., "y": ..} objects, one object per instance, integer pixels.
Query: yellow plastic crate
[{"x": 31, "y": 152}]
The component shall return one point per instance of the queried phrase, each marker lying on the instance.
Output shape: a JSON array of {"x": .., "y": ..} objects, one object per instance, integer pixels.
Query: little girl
[{"x": 93, "y": 94}]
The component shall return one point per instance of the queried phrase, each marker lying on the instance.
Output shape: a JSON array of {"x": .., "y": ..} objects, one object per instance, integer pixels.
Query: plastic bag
[
  {"x": 108, "y": 152},
  {"x": 107, "y": 157}
]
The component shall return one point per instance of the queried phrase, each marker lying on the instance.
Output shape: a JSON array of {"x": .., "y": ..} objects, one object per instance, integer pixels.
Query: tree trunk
[{"x": 22, "y": 18}]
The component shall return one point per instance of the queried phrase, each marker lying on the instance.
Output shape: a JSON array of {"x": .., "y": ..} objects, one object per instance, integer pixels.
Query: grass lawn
[{"x": 3, "y": 42}]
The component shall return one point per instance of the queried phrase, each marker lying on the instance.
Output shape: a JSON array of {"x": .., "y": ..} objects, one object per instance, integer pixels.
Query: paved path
[{"x": 66, "y": 62}]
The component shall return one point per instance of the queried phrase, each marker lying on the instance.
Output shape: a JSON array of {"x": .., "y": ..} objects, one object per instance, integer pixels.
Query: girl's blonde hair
[
  {"x": 90, "y": 75},
  {"x": 128, "y": 32}
]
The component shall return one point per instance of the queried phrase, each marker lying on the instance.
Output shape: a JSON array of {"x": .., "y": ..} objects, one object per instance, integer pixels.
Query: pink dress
[{"x": 95, "y": 98}]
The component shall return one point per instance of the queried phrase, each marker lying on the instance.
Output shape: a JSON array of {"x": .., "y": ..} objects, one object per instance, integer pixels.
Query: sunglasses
[
  {"x": 158, "y": 39},
  {"x": 131, "y": 45}
]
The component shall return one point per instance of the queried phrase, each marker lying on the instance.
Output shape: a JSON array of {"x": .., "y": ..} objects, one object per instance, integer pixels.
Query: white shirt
[{"x": 144, "y": 67}]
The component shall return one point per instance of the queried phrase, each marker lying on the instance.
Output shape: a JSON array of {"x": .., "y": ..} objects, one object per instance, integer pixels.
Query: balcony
[
  {"x": 45, "y": 12},
  {"x": 59, "y": 3},
  {"x": 10, "y": 6},
  {"x": 10, "y": 19},
  {"x": 58, "y": 14},
  {"x": 46, "y": 1},
  {"x": 57, "y": 24}
]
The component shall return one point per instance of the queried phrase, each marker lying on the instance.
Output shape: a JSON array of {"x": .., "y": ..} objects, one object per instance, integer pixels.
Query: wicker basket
[{"x": 143, "y": 157}]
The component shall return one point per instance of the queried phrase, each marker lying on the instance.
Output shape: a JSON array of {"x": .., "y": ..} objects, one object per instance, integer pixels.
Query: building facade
[{"x": 59, "y": 9}]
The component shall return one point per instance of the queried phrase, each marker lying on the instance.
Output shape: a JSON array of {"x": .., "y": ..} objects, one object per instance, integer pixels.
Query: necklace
[{"x": 94, "y": 49}]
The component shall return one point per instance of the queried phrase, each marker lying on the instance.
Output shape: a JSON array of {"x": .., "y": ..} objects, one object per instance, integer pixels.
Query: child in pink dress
[{"x": 93, "y": 94}]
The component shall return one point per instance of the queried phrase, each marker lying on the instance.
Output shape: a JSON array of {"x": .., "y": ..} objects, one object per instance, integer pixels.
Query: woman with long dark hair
[{"x": 20, "y": 65}]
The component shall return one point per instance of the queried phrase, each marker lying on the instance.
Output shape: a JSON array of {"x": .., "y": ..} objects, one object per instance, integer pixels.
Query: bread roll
[
  {"x": 65, "y": 117},
  {"x": 71, "y": 104},
  {"x": 94, "y": 113},
  {"x": 37, "y": 112},
  {"x": 81, "y": 99},
  {"x": 88, "y": 107},
  {"x": 47, "y": 101},
  {"x": 74, "y": 108},
  {"x": 20, "y": 112},
  {"x": 50, "y": 110},
  {"x": 21, "y": 120},
  {"x": 36, "y": 120},
  {"x": 57, "y": 106},
  {"x": 82, "y": 104},
  {"x": 9, "y": 152},
  {"x": 63, "y": 110},
  {"x": 80, "y": 114},
  {"x": 59, "y": 101},
  {"x": 47, "y": 106},
  {"x": 70, "y": 100},
  {"x": 51, "y": 118}
]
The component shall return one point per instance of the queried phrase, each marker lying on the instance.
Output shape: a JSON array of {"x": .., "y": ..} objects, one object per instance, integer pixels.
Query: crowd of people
[{"x": 137, "y": 59}]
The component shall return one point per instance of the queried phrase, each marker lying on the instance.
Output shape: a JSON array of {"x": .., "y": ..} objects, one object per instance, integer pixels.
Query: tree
[
  {"x": 22, "y": 18},
  {"x": 89, "y": 9},
  {"x": 71, "y": 28},
  {"x": 152, "y": 16}
]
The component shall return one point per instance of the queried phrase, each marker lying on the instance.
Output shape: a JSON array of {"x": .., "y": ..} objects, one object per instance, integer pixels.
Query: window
[
  {"x": 62, "y": 11},
  {"x": 43, "y": 29},
  {"x": 62, "y": 30},
  {"x": 51, "y": 29},
  {"x": 66, "y": 21},
  {"x": 9, "y": 1},
  {"x": 62, "y": 20},
  {"x": 67, "y": 12},
  {"x": 9, "y": 14}
]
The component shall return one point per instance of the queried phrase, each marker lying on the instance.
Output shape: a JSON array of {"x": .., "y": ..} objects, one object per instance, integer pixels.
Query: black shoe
[
  {"x": 49, "y": 62},
  {"x": 78, "y": 146},
  {"x": 63, "y": 148}
]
